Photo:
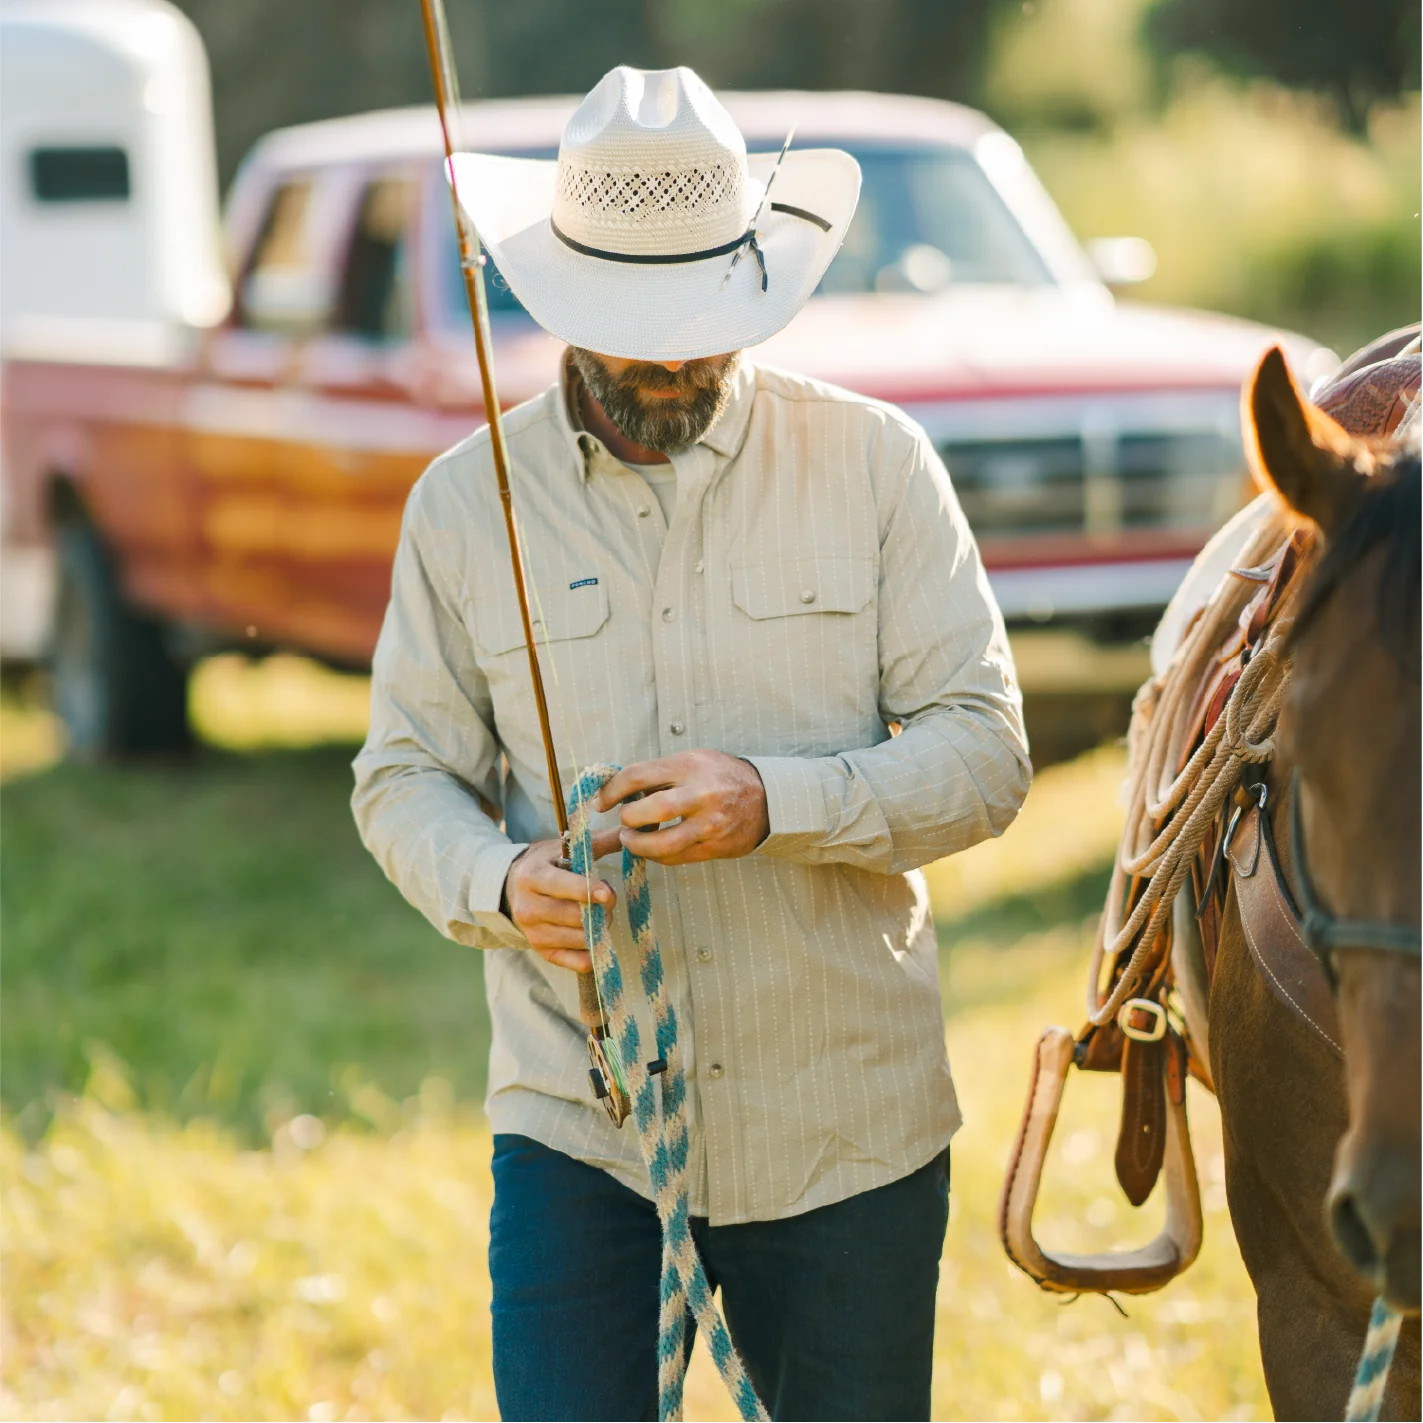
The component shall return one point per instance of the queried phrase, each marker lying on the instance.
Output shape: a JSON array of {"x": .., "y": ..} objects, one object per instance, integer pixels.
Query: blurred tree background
[
  {"x": 1289, "y": 205},
  {"x": 1269, "y": 149}
]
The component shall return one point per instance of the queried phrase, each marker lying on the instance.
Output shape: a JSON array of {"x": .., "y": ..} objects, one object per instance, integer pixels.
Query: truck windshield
[{"x": 928, "y": 218}]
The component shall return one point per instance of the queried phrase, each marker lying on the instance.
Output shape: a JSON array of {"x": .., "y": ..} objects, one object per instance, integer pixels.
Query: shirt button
[
  {"x": 807, "y": 595},
  {"x": 716, "y": 1070},
  {"x": 704, "y": 954},
  {"x": 669, "y": 615},
  {"x": 699, "y": 567},
  {"x": 643, "y": 510},
  {"x": 678, "y": 727}
]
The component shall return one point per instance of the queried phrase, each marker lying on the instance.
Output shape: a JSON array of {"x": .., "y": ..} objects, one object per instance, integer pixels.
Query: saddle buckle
[{"x": 1154, "y": 1033}]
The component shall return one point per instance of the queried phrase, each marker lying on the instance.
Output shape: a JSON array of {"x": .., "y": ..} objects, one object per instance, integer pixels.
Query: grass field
[{"x": 243, "y": 1169}]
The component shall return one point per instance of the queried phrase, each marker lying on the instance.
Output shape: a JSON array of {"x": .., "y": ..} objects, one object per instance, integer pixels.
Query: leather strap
[
  {"x": 1141, "y": 1142},
  {"x": 1272, "y": 931}
]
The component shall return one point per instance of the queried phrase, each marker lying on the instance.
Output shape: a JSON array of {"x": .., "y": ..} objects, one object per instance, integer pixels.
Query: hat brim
[{"x": 674, "y": 311}]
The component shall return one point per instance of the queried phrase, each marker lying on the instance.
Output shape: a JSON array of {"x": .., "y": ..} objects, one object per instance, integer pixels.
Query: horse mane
[{"x": 1386, "y": 512}]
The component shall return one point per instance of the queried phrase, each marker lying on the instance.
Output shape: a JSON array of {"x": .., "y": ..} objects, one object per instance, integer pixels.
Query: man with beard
[{"x": 759, "y": 596}]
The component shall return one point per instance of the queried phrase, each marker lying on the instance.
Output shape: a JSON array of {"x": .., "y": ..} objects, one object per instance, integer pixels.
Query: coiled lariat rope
[
  {"x": 662, "y": 1135},
  {"x": 1168, "y": 813},
  {"x": 1366, "y": 1397}
]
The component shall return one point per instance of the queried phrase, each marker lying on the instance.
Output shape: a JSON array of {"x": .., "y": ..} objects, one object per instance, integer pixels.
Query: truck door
[
  {"x": 363, "y": 439},
  {"x": 239, "y": 415}
]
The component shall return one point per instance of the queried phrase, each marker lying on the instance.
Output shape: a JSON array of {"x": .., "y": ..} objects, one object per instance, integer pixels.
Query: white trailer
[{"x": 110, "y": 236}]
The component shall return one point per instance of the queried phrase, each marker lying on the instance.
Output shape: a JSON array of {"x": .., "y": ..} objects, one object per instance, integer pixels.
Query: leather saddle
[{"x": 1161, "y": 1035}]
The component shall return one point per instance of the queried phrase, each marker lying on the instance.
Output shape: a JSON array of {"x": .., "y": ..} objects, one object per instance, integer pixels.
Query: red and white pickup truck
[{"x": 246, "y": 487}]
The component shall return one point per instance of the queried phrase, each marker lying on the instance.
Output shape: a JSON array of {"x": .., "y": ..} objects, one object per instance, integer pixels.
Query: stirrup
[{"x": 1136, "y": 1271}]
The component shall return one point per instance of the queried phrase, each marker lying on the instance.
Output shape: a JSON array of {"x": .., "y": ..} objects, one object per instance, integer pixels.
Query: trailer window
[
  {"x": 79, "y": 175},
  {"x": 374, "y": 299},
  {"x": 282, "y": 290}
]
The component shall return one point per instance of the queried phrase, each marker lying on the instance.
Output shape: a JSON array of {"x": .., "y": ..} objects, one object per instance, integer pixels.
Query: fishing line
[{"x": 610, "y": 1043}]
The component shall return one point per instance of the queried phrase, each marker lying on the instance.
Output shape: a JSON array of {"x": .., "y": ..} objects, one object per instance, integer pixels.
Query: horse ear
[{"x": 1296, "y": 448}]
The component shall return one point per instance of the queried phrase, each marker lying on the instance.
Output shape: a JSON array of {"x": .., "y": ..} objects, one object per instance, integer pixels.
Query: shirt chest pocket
[
  {"x": 802, "y": 587},
  {"x": 800, "y": 644},
  {"x": 559, "y": 615}
]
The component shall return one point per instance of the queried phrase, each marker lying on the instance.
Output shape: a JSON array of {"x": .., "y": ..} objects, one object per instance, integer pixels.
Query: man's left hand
[{"x": 717, "y": 800}]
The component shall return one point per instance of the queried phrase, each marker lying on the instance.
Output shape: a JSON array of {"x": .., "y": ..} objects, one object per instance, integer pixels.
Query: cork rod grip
[{"x": 589, "y": 1008}]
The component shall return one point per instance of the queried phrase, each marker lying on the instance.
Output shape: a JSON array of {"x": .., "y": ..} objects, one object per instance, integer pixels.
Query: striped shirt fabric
[{"x": 818, "y": 606}]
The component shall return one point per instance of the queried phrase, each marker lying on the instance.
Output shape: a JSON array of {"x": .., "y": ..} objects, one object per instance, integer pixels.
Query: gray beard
[{"x": 666, "y": 425}]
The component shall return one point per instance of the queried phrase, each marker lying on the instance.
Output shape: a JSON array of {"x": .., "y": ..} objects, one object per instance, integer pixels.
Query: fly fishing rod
[{"x": 607, "y": 1084}]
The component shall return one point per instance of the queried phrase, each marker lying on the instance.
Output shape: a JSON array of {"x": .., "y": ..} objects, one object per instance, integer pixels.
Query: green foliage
[
  {"x": 220, "y": 929},
  {"x": 1256, "y": 202},
  {"x": 1356, "y": 54},
  {"x": 1071, "y": 66},
  {"x": 1347, "y": 286},
  {"x": 1257, "y": 205}
]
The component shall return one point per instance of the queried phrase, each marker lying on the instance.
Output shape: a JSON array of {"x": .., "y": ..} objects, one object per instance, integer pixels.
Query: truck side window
[
  {"x": 282, "y": 289},
  {"x": 374, "y": 298}
]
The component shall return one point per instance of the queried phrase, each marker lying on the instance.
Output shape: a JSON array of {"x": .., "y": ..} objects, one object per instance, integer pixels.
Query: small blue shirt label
[{"x": 583, "y": 583}]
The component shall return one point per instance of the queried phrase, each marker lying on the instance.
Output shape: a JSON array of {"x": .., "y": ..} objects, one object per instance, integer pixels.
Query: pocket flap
[
  {"x": 577, "y": 611},
  {"x": 802, "y": 585}
]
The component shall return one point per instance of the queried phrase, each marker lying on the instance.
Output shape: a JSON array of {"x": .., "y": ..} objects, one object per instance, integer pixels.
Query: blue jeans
[{"x": 833, "y": 1310}]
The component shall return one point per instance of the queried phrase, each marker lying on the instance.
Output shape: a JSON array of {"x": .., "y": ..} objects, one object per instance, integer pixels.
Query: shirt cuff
[
  {"x": 493, "y": 928},
  {"x": 795, "y": 803}
]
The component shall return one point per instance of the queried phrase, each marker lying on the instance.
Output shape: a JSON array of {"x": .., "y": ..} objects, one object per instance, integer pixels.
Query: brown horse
[{"x": 1322, "y": 1155}]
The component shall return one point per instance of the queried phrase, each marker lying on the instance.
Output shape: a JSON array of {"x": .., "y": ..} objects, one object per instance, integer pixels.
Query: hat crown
[{"x": 652, "y": 164}]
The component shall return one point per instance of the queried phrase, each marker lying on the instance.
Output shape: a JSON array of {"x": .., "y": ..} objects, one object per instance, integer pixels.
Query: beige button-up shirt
[{"x": 818, "y": 586}]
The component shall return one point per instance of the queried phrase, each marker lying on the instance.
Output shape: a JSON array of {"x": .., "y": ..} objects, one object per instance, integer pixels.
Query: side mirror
[{"x": 1123, "y": 261}]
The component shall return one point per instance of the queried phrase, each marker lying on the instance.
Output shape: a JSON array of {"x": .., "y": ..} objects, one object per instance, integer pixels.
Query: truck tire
[{"x": 117, "y": 688}]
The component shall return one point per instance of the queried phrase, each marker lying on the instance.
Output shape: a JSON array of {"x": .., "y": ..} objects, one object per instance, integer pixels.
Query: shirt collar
[
  {"x": 725, "y": 437},
  {"x": 570, "y": 422},
  {"x": 728, "y": 433}
]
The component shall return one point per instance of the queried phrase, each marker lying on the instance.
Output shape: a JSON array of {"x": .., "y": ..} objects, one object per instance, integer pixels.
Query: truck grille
[
  {"x": 1018, "y": 486},
  {"x": 1099, "y": 484}
]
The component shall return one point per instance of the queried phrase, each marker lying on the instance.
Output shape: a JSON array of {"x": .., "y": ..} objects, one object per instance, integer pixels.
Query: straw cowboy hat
[{"x": 624, "y": 245}]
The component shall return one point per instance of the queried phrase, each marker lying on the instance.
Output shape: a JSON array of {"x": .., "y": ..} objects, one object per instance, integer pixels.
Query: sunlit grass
[
  {"x": 157, "y": 1272},
  {"x": 30, "y": 736},
  {"x": 279, "y": 701},
  {"x": 235, "y": 703}
]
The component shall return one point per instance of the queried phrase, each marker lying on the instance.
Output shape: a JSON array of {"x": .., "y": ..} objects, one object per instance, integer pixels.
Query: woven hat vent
[{"x": 695, "y": 195}]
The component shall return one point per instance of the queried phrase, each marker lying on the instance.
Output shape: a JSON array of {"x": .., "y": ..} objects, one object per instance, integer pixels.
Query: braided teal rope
[
  {"x": 1366, "y": 1397},
  {"x": 661, "y": 1135}
]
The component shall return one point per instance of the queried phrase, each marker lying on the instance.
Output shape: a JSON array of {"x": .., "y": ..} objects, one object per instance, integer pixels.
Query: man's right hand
[{"x": 545, "y": 901}]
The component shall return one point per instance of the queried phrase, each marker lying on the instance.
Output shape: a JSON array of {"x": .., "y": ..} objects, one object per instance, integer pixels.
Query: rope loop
[
  {"x": 662, "y": 1135},
  {"x": 1170, "y": 806}
]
